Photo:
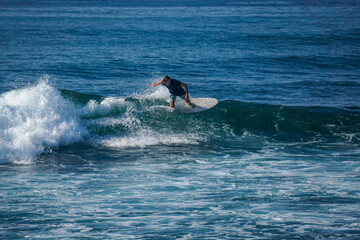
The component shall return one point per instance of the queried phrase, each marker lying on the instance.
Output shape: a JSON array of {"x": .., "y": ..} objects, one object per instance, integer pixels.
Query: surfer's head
[{"x": 165, "y": 79}]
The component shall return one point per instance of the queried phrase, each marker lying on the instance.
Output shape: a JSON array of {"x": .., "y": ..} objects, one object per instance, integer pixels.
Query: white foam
[
  {"x": 104, "y": 107},
  {"x": 144, "y": 138},
  {"x": 159, "y": 92},
  {"x": 33, "y": 119}
]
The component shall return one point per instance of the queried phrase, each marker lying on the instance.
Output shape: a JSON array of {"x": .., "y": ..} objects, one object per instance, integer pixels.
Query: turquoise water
[{"x": 89, "y": 150}]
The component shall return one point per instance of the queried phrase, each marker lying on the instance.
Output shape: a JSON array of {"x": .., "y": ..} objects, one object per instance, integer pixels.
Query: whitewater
[{"x": 33, "y": 120}]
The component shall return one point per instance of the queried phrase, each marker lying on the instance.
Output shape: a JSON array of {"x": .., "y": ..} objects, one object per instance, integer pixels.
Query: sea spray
[
  {"x": 104, "y": 107},
  {"x": 140, "y": 120},
  {"x": 34, "y": 119}
]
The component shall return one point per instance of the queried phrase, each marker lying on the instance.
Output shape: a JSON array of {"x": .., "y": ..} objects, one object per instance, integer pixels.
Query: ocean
[{"x": 90, "y": 150}]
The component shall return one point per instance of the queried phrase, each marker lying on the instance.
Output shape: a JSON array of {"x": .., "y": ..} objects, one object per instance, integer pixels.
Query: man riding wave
[{"x": 176, "y": 89}]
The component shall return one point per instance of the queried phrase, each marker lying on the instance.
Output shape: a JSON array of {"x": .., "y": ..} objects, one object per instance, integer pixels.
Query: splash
[
  {"x": 139, "y": 120},
  {"x": 34, "y": 119},
  {"x": 145, "y": 138},
  {"x": 104, "y": 107}
]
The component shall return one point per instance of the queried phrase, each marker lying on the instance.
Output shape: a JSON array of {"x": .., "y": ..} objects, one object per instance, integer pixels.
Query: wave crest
[{"x": 33, "y": 119}]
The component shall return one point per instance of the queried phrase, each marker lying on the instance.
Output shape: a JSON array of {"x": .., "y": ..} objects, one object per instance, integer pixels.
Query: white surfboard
[{"x": 197, "y": 105}]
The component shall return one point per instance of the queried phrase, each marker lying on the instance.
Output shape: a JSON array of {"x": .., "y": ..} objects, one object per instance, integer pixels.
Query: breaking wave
[{"x": 36, "y": 119}]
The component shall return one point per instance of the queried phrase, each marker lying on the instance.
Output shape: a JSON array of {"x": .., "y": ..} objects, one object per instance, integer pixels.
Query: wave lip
[
  {"x": 104, "y": 107},
  {"x": 34, "y": 119}
]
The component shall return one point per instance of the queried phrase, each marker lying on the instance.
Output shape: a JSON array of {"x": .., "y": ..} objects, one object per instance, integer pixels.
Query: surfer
[{"x": 176, "y": 89}]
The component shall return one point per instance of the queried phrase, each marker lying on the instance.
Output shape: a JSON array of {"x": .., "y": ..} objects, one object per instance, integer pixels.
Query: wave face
[
  {"x": 36, "y": 119},
  {"x": 293, "y": 123},
  {"x": 147, "y": 115}
]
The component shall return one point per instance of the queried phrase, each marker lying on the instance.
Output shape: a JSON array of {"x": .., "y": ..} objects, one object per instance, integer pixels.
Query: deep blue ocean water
[{"x": 89, "y": 150}]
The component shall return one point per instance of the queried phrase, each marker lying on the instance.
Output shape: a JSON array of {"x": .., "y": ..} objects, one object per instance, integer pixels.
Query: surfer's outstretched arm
[{"x": 156, "y": 84}]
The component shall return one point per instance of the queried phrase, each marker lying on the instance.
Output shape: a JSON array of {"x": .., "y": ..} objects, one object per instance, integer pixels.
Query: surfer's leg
[{"x": 172, "y": 100}]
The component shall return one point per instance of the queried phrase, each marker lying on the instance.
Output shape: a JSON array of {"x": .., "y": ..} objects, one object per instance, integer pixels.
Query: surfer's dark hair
[{"x": 166, "y": 78}]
